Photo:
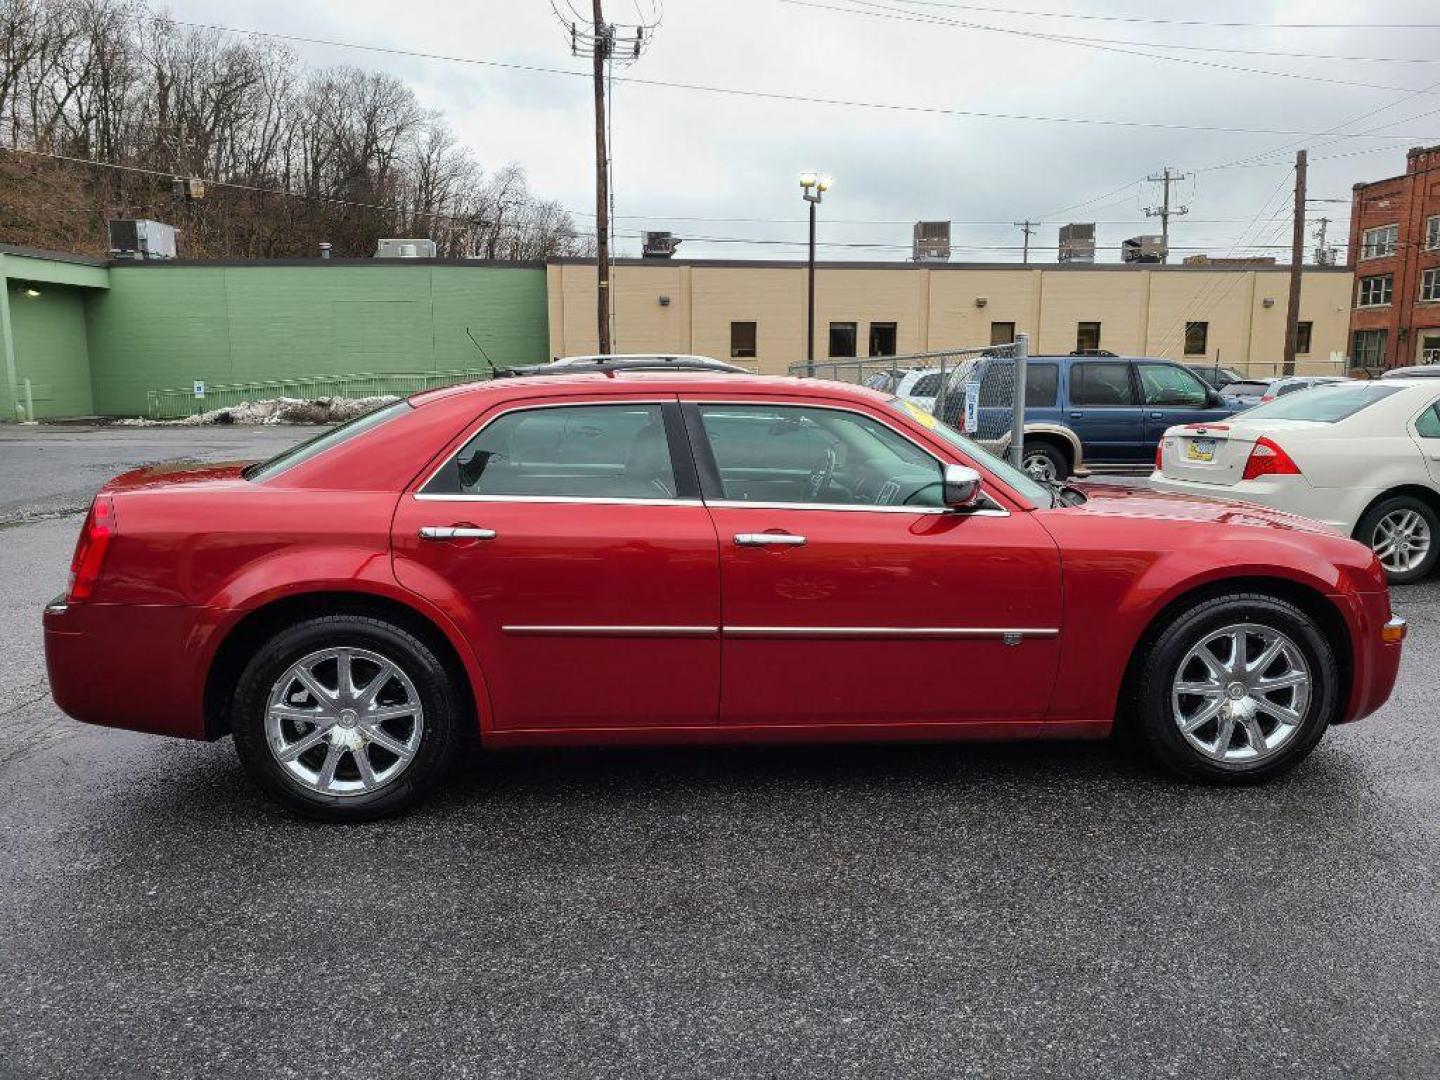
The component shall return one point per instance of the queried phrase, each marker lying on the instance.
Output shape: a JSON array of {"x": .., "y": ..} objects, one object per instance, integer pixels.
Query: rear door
[
  {"x": 1170, "y": 395},
  {"x": 569, "y": 544},
  {"x": 1104, "y": 410}
]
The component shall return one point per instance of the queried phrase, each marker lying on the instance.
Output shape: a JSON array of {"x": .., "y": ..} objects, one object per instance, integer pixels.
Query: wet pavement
[{"x": 989, "y": 911}]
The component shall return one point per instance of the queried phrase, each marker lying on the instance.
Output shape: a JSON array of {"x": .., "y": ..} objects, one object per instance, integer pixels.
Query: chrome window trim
[
  {"x": 994, "y": 510},
  {"x": 571, "y": 403},
  {"x": 892, "y": 631},
  {"x": 612, "y": 631}
]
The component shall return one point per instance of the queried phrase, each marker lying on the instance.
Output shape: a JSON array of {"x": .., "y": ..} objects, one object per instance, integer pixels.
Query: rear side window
[
  {"x": 326, "y": 441},
  {"x": 1041, "y": 382},
  {"x": 1325, "y": 403},
  {"x": 1427, "y": 425},
  {"x": 1101, "y": 384},
  {"x": 567, "y": 452}
]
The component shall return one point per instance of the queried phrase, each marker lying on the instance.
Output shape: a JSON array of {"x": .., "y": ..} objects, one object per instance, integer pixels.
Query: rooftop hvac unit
[
  {"x": 932, "y": 241},
  {"x": 134, "y": 238},
  {"x": 1077, "y": 243},
  {"x": 1143, "y": 249},
  {"x": 405, "y": 249},
  {"x": 660, "y": 245}
]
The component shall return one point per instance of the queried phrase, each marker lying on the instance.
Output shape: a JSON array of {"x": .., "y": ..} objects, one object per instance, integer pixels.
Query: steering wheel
[{"x": 822, "y": 474}]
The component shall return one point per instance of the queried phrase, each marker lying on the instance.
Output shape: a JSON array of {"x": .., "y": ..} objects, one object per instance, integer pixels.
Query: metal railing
[{"x": 174, "y": 404}]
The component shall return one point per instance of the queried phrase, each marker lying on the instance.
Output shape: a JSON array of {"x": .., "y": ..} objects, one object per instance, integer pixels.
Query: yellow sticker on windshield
[{"x": 919, "y": 414}]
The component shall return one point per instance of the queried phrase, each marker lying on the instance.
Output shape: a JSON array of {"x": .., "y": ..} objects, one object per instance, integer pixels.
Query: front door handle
[
  {"x": 455, "y": 532},
  {"x": 1077, "y": 415},
  {"x": 769, "y": 540}
]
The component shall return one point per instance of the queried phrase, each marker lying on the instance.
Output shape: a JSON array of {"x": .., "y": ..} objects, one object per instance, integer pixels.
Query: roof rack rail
[{"x": 573, "y": 364}]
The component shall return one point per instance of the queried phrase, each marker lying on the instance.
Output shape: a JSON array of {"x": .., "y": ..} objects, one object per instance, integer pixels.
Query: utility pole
[
  {"x": 1297, "y": 261},
  {"x": 606, "y": 44},
  {"x": 1026, "y": 227},
  {"x": 1165, "y": 211}
]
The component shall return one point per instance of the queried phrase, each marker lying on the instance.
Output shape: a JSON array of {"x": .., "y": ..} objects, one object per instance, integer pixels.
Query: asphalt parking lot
[{"x": 989, "y": 911}]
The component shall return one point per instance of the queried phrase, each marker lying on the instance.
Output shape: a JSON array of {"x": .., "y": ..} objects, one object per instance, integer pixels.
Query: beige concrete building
[{"x": 754, "y": 312}]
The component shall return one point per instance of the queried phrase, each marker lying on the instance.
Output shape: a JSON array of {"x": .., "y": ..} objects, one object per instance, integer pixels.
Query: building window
[
  {"x": 882, "y": 339},
  {"x": 1002, "y": 333},
  {"x": 1379, "y": 242},
  {"x": 1302, "y": 336},
  {"x": 1375, "y": 291},
  {"x": 1430, "y": 284},
  {"x": 1432, "y": 232},
  {"x": 742, "y": 340},
  {"x": 1368, "y": 348},
  {"x": 842, "y": 339},
  {"x": 1087, "y": 337},
  {"x": 1197, "y": 335}
]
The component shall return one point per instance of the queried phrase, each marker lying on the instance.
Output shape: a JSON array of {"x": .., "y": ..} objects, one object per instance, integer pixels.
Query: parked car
[
  {"x": 1081, "y": 412},
  {"x": 1216, "y": 376},
  {"x": 1414, "y": 371},
  {"x": 1251, "y": 392},
  {"x": 921, "y": 387},
  {"x": 673, "y": 557},
  {"x": 1363, "y": 457}
]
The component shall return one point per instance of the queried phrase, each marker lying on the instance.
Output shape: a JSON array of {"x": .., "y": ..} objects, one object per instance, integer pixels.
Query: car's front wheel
[
  {"x": 346, "y": 718},
  {"x": 1236, "y": 689}
]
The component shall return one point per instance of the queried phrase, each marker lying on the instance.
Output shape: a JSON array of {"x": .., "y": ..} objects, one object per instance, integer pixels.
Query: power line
[
  {"x": 1171, "y": 22},
  {"x": 809, "y": 99}
]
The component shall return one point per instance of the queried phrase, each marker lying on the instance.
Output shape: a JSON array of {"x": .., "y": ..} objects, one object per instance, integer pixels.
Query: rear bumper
[{"x": 127, "y": 666}]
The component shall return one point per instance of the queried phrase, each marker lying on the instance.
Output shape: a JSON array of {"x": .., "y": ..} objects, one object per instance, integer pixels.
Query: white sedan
[{"x": 1363, "y": 457}]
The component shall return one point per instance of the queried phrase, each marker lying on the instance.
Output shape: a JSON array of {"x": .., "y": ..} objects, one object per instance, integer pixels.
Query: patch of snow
[{"x": 285, "y": 410}]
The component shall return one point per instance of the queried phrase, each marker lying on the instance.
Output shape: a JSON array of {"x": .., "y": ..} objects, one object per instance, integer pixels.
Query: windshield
[
  {"x": 1325, "y": 403},
  {"x": 324, "y": 441},
  {"x": 1019, "y": 481}
]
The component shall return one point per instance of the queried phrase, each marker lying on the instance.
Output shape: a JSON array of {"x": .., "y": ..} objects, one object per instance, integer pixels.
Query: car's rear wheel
[
  {"x": 1236, "y": 689},
  {"x": 346, "y": 718},
  {"x": 1404, "y": 533},
  {"x": 1045, "y": 461}
]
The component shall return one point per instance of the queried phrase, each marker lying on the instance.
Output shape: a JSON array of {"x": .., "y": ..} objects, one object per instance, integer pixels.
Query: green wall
[
  {"x": 50, "y": 350},
  {"x": 163, "y": 326}
]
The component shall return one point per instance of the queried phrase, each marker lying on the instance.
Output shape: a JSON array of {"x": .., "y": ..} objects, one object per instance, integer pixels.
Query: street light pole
[{"x": 812, "y": 188}]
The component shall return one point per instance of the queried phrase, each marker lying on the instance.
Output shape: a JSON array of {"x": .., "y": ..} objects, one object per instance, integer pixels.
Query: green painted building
[{"x": 88, "y": 337}]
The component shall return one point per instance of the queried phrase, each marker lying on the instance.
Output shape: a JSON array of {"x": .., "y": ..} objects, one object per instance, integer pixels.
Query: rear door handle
[
  {"x": 769, "y": 540},
  {"x": 455, "y": 532},
  {"x": 1157, "y": 416}
]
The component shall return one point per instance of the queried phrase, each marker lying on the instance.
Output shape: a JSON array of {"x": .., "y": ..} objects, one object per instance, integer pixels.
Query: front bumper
[
  {"x": 132, "y": 666},
  {"x": 1377, "y": 635}
]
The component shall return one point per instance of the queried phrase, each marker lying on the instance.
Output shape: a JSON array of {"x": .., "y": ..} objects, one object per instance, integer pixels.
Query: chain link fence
[{"x": 973, "y": 389}]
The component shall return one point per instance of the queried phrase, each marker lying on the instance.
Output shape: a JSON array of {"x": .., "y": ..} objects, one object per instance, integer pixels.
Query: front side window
[
  {"x": 816, "y": 456},
  {"x": 1302, "y": 336},
  {"x": 1378, "y": 242},
  {"x": 1430, "y": 284},
  {"x": 1197, "y": 336},
  {"x": 742, "y": 340},
  {"x": 842, "y": 339},
  {"x": 1087, "y": 337},
  {"x": 1101, "y": 384},
  {"x": 882, "y": 338},
  {"x": 617, "y": 451},
  {"x": 1375, "y": 291},
  {"x": 1368, "y": 348},
  {"x": 1165, "y": 384}
]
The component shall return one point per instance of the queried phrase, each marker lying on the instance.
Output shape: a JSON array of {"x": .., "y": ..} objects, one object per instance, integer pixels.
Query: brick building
[{"x": 1395, "y": 250}]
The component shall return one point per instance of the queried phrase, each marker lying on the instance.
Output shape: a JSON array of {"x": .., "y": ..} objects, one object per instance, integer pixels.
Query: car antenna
[{"x": 493, "y": 369}]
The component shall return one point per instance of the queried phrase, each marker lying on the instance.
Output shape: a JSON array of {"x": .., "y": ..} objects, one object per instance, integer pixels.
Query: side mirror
[
  {"x": 961, "y": 487},
  {"x": 1213, "y": 398}
]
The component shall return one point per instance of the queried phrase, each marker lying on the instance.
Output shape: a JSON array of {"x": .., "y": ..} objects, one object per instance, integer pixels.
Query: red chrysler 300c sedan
[{"x": 723, "y": 558}]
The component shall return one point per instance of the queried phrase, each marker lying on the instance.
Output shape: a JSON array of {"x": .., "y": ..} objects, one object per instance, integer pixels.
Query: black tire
[
  {"x": 1156, "y": 728},
  {"x": 439, "y": 737},
  {"x": 1365, "y": 533},
  {"x": 1058, "y": 461}
]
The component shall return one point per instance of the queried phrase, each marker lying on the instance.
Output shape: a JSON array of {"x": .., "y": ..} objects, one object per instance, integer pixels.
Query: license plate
[{"x": 1200, "y": 450}]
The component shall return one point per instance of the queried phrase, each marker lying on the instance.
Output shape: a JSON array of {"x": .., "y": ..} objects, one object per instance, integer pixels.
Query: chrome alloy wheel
[
  {"x": 344, "y": 721},
  {"x": 1241, "y": 693},
  {"x": 1040, "y": 467},
  {"x": 1401, "y": 540}
]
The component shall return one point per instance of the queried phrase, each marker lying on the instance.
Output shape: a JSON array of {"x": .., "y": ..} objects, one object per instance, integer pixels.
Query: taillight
[
  {"x": 1159, "y": 454},
  {"x": 1267, "y": 459},
  {"x": 1266, "y": 397},
  {"x": 90, "y": 549}
]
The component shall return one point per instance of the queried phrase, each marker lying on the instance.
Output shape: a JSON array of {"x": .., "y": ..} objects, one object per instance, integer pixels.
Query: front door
[
  {"x": 579, "y": 561},
  {"x": 1170, "y": 395},
  {"x": 850, "y": 594}
]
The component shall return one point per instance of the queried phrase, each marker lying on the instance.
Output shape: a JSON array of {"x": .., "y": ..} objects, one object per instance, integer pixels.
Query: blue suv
[{"x": 1082, "y": 412}]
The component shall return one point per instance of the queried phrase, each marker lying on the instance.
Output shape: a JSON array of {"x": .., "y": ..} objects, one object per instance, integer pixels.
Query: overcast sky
[{"x": 684, "y": 154}]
